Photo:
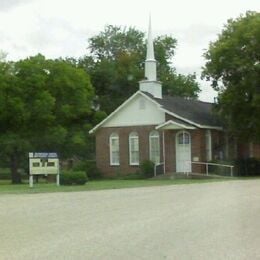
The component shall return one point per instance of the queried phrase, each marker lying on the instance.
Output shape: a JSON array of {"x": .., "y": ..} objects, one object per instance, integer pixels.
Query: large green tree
[
  {"x": 233, "y": 67},
  {"x": 116, "y": 65},
  {"x": 44, "y": 105}
]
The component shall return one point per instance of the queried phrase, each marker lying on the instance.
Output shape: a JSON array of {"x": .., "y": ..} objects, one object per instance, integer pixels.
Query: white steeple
[
  {"x": 150, "y": 84},
  {"x": 150, "y": 62}
]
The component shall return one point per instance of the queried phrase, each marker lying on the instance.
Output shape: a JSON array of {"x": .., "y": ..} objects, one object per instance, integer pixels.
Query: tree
[
  {"x": 3, "y": 56},
  {"x": 233, "y": 67},
  {"x": 116, "y": 65},
  {"x": 44, "y": 105}
]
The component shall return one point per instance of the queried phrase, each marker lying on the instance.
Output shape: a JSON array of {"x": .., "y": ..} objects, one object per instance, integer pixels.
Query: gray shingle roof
[{"x": 196, "y": 111}]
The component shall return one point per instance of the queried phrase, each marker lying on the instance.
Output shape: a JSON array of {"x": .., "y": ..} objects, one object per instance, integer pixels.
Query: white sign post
[{"x": 43, "y": 164}]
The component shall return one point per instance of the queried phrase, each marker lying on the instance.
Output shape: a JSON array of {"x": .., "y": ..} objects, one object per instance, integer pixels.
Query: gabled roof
[
  {"x": 174, "y": 124},
  {"x": 125, "y": 103},
  {"x": 192, "y": 112}
]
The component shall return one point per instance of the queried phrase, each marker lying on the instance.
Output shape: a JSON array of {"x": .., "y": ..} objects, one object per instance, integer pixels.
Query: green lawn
[{"x": 7, "y": 188}]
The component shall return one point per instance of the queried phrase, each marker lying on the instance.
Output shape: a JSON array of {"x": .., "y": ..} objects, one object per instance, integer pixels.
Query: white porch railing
[{"x": 207, "y": 166}]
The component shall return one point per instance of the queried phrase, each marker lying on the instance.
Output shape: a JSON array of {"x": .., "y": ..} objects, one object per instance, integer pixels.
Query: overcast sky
[{"x": 59, "y": 28}]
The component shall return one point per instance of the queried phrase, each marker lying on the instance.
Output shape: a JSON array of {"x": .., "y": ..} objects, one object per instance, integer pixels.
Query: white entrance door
[{"x": 183, "y": 151}]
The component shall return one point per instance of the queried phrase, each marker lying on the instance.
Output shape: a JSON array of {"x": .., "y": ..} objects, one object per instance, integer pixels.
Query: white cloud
[{"x": 61, "y": 27}]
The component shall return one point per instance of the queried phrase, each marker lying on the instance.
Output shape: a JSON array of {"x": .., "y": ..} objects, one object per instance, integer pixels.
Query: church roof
[
  {"x": 195, "y": 111},
  {"x": 186, "y": 112}
]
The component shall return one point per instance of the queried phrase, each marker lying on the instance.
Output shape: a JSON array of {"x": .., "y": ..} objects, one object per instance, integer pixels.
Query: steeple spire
[
  {"x": 150, "y": 84},
  {"x": 150, "y": 62},
  {"x": 150, "y": 50}
]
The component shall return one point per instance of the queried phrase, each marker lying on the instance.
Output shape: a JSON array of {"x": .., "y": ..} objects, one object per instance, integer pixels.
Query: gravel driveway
[{"x": 198, "y": 221}]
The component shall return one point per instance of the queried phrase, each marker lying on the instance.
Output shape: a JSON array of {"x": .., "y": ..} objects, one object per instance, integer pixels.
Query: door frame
[{"x": 176, "y": 150}]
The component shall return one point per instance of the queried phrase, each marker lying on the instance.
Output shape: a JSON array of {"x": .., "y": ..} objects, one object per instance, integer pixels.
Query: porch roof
[{"x": 174, "y": 124}]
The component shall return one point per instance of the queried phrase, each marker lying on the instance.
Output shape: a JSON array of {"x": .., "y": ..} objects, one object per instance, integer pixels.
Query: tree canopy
[
  {"x": 44, "y": 105},
  {"x": 116, "y": 65},
  {"x": 233, "y": 67}
]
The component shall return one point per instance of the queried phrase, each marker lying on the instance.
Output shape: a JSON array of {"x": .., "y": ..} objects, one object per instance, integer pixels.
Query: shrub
[
  {"x": 73, "y": 177},
  {"x": 90, "y": 168},
  {"x": 133, "y": 176},
  {"x": 5, "y": 174},
  {"x": 147, "y": 169},
  {"x": 92, "y": 171},
  {"x": 220, "y": 170},
  {"x": 247, "y": 167}
]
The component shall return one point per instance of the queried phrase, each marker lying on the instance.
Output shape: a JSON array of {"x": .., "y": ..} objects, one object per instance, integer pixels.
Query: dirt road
[{"x": 198, "y": 221}]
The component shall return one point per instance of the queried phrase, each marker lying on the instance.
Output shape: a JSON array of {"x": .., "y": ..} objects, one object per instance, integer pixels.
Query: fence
[{"x": 207, "y": 166}]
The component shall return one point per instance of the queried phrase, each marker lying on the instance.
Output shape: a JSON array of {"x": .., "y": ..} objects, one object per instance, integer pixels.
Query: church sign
[{"x": 43, "y": 164}]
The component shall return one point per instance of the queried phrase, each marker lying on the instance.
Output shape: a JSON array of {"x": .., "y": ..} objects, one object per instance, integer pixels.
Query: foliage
[
  {"x": 247, "y": 167},
  {"x": 90, "y": 168},
  {"x": 116, "y": 65},
  {"x": 220, "y": 170},
  {"x": 134, "y": 176},
  {"x": 44, "y": 105},
  {"x": 233, "y": 67},
  {"x": 5, "y": 174},
  {"x": 147, "y": 168},
  {"x": 3, "y": 56},
  {"x": 73, "y": 177}
]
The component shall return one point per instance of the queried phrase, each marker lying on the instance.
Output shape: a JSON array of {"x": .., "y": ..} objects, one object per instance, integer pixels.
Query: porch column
[{"x": 163, "y": 152}]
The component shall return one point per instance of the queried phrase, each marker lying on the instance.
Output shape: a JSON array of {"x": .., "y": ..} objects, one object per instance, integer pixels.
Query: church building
[{"x": 171, "y": 131}]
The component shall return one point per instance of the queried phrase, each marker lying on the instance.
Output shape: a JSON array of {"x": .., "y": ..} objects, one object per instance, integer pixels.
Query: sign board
[{"x": 43, "y": 164}]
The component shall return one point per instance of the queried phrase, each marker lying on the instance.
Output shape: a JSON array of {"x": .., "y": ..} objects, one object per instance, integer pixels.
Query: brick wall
[{"x": 102, "y": 148}]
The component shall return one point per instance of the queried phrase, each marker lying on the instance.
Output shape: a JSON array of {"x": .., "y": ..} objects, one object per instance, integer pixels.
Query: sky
[{"x": 61, "y": 28}]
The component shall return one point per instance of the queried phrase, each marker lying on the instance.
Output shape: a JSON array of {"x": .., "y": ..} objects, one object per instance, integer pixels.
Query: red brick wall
[
  {"x": 244, "y": 151},
  {"x": 102, "y": 148}
]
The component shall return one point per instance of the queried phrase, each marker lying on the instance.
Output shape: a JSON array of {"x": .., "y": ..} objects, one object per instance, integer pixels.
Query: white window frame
[
  {"x": 114, "y": 137},
  {"x": 154, "y": 156},
  {"x": 208, "y": 145},
  {"x": 182, "y": 134},
  {"x": 133, "y": 137}
]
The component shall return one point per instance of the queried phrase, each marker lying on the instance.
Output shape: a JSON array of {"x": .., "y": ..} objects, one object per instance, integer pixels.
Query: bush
[
  {"x": 73, "y": 177},
  {"x": 5, "y": 174},
  {"x": 247, "y": 167},
  {"x": 90, "y": 168},
  {"x": 133, "y": 176},
  {"x": 92, "y": 171},
  {"x": 220, "y": 170},
  {"x": 147, "y": 169}
]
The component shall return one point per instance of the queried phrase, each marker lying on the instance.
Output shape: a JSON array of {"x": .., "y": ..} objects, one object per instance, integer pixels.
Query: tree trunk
[{"x": 16, "y": 176}]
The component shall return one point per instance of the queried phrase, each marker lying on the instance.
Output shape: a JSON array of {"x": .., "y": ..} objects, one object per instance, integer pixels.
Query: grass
[{"x": 7, "y": 188}]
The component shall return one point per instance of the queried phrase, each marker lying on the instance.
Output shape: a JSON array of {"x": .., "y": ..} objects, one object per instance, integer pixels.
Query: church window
[
  {"x": 134, "y": 148},
  {"x": 114, "y": 149},
  {"x": 154, "y": 147}
]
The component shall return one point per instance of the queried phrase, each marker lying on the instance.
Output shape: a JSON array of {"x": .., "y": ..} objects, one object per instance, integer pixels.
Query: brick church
[{"x": 170, "y": 131}]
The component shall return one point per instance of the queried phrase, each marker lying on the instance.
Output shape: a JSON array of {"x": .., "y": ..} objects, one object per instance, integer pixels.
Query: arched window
[
  {"x": 114, "y": 149},
  {"x": 183, "y": 138},
  {"x": 154, "y": 147},
  {"x": 133, "y": 148}
]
